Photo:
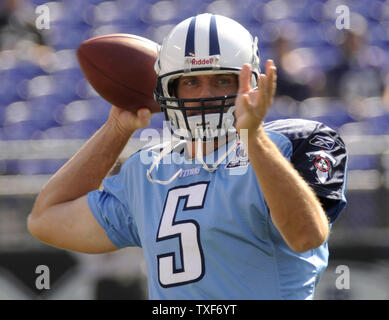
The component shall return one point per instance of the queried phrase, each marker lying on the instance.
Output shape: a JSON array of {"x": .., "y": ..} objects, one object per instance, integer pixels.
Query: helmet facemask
[{"x": 198, "y": 118}]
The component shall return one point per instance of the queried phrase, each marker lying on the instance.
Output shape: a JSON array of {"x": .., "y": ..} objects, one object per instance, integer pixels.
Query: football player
[{"x": 251, "y": 224}]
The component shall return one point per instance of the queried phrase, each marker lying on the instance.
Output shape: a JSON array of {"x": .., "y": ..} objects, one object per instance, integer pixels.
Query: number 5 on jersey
[{"x": 188, "y": 234}]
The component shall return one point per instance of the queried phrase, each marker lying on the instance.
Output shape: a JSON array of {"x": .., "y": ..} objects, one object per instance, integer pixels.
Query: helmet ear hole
[{"x": 172, "y": 88}]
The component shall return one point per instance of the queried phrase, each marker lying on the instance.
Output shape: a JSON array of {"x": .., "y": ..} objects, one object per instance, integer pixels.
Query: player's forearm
[
  {"x": 295, "y": 209},
  {"x": 85, "y": 171}
]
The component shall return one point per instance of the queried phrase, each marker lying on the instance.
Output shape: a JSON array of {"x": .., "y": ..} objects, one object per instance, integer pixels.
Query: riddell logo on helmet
[{"x": 200, "y": 61}]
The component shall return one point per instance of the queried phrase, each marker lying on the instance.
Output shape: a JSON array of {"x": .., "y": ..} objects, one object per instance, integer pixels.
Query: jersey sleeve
[
  {"x": 111, "y": 208},
  {"x": 321, "y": 159},
  {"x": 319, "y": 155}
]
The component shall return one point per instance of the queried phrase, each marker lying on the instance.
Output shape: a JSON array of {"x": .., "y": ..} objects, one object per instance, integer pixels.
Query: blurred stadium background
[{"x": 47, "y": 110}]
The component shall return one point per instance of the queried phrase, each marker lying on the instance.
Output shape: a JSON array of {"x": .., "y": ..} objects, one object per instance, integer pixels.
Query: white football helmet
[{"x": 203, "y": 44}]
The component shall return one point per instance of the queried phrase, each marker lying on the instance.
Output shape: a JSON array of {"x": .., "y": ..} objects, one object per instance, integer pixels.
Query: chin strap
[
  {"x": 199, "y": 156},
  {"x": 213, "y": 167},
  {"x": 166, "y": 150}
]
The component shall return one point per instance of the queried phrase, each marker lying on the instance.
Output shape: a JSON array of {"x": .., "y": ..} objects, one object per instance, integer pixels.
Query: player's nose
[{"x": 205, "y": 90}]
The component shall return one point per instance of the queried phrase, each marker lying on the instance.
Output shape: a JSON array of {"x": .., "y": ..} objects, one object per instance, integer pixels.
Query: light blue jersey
[{"x": 209, "y": 235}]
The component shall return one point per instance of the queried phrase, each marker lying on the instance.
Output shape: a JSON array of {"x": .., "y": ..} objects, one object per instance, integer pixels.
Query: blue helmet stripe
[
  {"x": 214, "y": 48},
  {"x": 190, "y": 39}
]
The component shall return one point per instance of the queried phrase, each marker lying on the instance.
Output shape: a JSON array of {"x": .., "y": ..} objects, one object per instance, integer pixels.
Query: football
[{"x": 120, "y": 67}]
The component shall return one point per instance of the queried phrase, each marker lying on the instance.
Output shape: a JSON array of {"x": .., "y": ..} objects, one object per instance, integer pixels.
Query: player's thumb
[{"x": 143, "y": 117}]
